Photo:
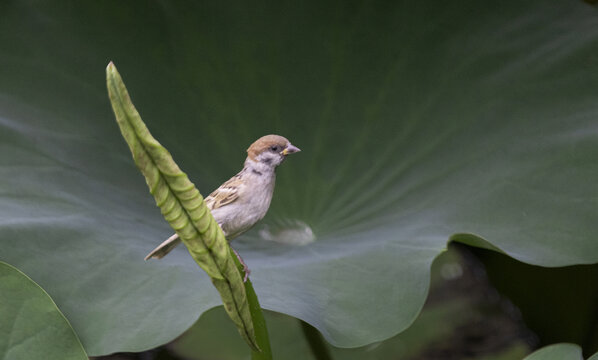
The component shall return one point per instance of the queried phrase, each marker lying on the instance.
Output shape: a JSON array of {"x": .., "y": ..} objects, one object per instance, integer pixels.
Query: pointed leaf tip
[{"x": 111, "y": 69}]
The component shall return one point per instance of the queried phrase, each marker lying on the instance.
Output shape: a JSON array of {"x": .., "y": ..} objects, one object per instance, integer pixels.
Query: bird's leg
[{"x": 245, "y": 267}]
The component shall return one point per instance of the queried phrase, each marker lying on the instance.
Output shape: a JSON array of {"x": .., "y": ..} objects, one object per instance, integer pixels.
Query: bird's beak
[{"x": 290, "y": 149}]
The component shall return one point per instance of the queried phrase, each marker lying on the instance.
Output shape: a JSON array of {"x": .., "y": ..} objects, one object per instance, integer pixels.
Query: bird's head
[{"x": 270, "y": 150}]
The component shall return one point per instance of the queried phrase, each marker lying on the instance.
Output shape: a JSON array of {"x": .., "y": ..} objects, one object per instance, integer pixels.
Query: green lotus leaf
[
  {"x": 420, "y": 123},
  {"x": 32, "y": 327},
  {"x": 458, "y": 321},
  {"x": 557, "y": 352}
]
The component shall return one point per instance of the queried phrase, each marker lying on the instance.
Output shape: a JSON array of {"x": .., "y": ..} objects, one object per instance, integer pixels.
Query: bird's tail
[{"x": 164, "y": 248}]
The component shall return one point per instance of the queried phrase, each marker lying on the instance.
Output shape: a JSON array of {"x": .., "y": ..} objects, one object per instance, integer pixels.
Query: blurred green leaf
[
  {"x": 463, "y": 319},
  {"x": 569, "y": 294},
  {"x": 31, "y": 325},
  {"x": 418, "y": 121},
  {"x": 557, "y": 352},
  {"x": 214, "y": 338}
]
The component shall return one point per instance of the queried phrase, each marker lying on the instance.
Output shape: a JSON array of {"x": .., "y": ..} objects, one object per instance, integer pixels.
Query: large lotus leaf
[
  {"x": 418, "y": 122},
  {"x": 31, "y": 325},
  {"x": 462, "y": 318},
  {"x": 215, "y": 338}
]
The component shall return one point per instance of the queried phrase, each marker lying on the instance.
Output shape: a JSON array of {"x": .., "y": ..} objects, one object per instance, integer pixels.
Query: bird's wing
[{"x": 227, "y": 193}]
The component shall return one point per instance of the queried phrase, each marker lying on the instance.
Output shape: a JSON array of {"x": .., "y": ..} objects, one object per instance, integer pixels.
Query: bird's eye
[{"x": 275, "y": 148}]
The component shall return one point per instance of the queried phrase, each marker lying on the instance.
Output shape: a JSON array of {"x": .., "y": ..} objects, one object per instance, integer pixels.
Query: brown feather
[
  {"x": 225, "y": 194},
  {"x": 264, "y": 143}
]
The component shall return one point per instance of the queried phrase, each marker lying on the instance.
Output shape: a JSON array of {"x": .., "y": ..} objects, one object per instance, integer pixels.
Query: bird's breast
[{"x": 251, "y": 206}]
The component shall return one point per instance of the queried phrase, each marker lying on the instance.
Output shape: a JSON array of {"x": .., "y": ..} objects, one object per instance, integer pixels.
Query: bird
[{"x": 242, "y": 201}]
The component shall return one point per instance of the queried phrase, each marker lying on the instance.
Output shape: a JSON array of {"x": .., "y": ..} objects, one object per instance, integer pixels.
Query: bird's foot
[{"x": 245, "y": 267}]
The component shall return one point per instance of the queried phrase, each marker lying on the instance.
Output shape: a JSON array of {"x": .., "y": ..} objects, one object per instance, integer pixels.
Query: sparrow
[{"x": 244, "y": 199}]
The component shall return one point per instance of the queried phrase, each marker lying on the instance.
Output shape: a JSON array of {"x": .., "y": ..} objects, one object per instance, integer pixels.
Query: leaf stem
[
  {"x": 257, "y": 317},
  {"x": 316, "y": 342}
]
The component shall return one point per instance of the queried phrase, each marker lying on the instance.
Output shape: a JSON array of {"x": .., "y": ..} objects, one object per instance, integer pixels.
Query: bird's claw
[
  {"x": 247, "y": 272},
  {"x": 245, "y": 267}
]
